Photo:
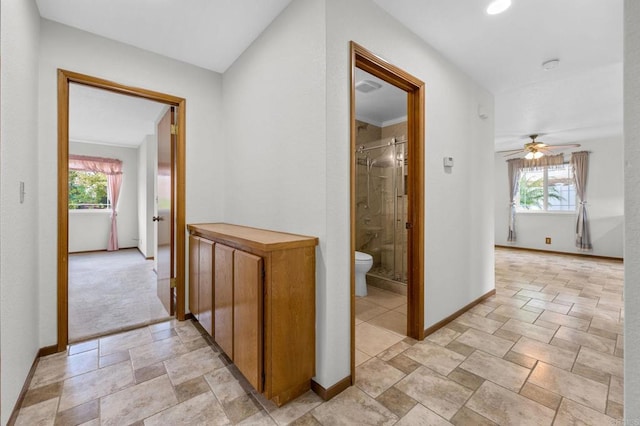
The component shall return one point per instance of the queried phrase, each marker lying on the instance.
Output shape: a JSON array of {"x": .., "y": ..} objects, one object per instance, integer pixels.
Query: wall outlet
[{"x": 547, "y": 240}]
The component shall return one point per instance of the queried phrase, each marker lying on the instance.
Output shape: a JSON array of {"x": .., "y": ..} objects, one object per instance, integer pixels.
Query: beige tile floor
[{"x": 547, "y": 349}]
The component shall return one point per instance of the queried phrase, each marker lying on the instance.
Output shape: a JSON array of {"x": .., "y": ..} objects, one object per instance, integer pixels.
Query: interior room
[
  {"x": 112, "y": 278},
  {"x": 522, "y": 303}
]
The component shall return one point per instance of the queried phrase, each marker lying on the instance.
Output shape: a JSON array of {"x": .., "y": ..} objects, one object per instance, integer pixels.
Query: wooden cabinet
[
  {"x": 264, "y": 304},
  {"x": 194, "y": 274},
  {"x": 201, "y": 264},
  {"x": 205, "y": 285},
  {"x": 223, "y": 321}
]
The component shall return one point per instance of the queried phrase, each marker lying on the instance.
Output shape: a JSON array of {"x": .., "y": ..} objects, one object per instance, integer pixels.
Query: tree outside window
[
  {"x": 88, "y": 190},
  {"x": 547, "y": 190}
]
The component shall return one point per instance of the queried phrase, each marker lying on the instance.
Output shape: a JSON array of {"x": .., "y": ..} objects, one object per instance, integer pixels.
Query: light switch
[
  {"x": 448, "y": 161},
  {"x": 21, "y": 192}
]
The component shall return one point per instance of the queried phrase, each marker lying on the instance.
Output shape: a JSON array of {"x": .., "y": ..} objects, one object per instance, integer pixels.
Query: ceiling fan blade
[
  {"x": 511, "y": 153},
  {"x": 509, "y": 150},
  {"x": 571, "y": 145}
]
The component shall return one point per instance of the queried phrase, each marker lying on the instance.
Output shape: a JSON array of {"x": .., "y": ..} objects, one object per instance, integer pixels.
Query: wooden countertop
[{"x": 260, "y": 239}]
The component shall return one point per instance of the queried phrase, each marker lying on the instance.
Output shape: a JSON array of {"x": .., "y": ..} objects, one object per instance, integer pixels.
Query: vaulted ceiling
[{"x": 579, "y": 99}]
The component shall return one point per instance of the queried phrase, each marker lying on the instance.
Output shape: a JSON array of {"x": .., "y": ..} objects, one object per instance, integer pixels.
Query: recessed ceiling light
[
  {"x": 498, "y": 6},
  {"x": 550, "y": 64}
]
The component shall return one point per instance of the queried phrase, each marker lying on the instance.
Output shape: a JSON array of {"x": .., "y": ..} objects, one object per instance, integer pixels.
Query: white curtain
[
  {"x": 113, "y": 169},
  {"x": 514, "y": 167},
  {"x": 580, "y": 164}
]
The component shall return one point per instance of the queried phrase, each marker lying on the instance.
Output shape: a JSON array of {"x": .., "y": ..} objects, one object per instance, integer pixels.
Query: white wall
[
  {"x": 287, "y": 131},
  {"x": 454, "y": 234},
  {"x": 75, "y": 50},
  {"x": 632, "y": 207},
  {"x": 89, "y": 230},
  {"x": 147, "y": 163},
  {"x": 274, "y": 98},
  {"x": 19, "y": 343},
  {"x": 605, "y": 206}
]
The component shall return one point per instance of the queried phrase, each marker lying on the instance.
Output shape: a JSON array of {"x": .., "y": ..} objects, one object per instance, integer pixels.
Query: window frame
[
  {"x": 108, "y": 206},
  {"x": 545, "y": 201}
]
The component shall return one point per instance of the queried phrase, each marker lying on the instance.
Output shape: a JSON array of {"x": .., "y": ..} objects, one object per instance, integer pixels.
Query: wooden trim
[
  {"x": 64, "y": 79},
  {"x": 459, "y": 312},
  {"x": 47, "y": 350},
  {"x": 415, "y": 88},
  {"x": 63, "y": 210},
  {"x": 352, "y": 216},
  {"x": 327, "y": 394},
  {"x": 181, "y": 202},
  {"x": 562, "y": 253}
]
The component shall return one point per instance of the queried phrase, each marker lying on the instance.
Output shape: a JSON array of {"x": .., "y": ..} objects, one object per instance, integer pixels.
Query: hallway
[{"x": 547, "y": 349}]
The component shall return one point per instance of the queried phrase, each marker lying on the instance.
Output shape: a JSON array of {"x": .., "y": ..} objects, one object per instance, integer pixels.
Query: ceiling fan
[{"x": 535, "y": 149}]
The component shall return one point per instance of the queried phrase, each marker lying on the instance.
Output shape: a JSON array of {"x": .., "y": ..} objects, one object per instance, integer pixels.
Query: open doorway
[
  {"x": 113, "y": 166},
  {"x": 137, "y": 277},
  {"x": 387, "y": 205}
]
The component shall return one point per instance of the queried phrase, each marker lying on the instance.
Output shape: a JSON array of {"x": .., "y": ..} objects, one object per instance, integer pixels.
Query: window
[
  {"x": 547, "y": 189},
  {"x": 88, "y": 190}
]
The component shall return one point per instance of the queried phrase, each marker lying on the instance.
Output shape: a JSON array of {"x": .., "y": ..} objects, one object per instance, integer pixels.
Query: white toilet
[{"x": 364, "y": 262}]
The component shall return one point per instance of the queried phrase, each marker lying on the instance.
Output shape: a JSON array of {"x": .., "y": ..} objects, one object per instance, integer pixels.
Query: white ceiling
[
  {"x": 387, "y": 105},
  {"x": 580, "y": 99},
  {"x": 100, "y": 116},
  {"x": 208, "y": 33}
]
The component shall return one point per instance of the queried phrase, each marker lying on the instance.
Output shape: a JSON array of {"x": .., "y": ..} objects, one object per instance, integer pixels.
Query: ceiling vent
[{"x": 366, "y": 86}]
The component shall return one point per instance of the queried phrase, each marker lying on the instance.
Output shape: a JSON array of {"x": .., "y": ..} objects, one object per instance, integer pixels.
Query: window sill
[
  {"x": 552, "y": 213},
  {"x": 90, "y": 211}
]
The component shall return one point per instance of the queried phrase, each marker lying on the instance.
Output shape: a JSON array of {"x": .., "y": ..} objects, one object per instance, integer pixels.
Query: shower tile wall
[{"x": 375, "y": 214}]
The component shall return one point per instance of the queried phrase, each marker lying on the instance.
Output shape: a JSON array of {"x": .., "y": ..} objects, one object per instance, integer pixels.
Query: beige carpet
[{"x": 111, "y": 291}]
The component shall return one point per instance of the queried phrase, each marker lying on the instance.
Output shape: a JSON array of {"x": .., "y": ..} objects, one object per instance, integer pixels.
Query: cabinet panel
[
  {"x": 205, "y": 285},
  {"x": 290, "y": 309},
  {"x": 224, "y": 298},
  {"x": 194, "y": 274},
  {"x": 247, "y": 317}
]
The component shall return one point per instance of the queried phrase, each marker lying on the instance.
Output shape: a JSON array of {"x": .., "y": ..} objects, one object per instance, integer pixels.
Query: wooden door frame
[
  {"x": 64, "y": 79},
  {"x": 415, "y": 88}
]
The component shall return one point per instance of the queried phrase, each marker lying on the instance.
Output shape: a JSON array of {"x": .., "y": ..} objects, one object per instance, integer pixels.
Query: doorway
[
  {"x": 175, "y": 277},
  {"x": 404, "y": 185}
]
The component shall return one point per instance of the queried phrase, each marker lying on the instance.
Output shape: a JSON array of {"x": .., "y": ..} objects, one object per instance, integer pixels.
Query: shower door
[{"x": 382, "y": 208}]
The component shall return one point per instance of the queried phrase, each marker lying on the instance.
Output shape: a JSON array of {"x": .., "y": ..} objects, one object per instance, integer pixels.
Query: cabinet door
[
  {"x": 205, "y": 285},
  {"x": 224, "y": 298},
  {"x": 194, "y": 274},
  {"x": 247, "y": 317}
]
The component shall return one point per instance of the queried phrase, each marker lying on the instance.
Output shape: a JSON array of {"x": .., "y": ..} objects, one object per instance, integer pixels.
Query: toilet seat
[{"x": 363, "y": 257}]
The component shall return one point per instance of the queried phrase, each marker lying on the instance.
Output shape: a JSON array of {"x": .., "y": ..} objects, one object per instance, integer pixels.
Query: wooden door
[
  {"x": 205, "y": 285},
  {"x": 164, "y": 217},
  {"x": 223, "y": 281},
  {"x": 194, "y": 274},
  {"x": 247, "y": 317}
]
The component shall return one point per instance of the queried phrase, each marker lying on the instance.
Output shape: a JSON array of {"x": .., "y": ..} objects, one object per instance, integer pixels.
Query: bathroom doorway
[{"x": 387, "y": 205}]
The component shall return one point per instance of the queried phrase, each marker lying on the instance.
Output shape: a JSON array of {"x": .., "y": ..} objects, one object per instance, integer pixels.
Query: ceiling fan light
[
  {"x": 537, "y": 155},
  {"x": 529, "y": 155},
  {"x": 498, "y": 6}
]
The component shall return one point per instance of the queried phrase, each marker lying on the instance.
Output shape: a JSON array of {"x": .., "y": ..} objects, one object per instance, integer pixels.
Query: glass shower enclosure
[{"x": 381, "y": 212}]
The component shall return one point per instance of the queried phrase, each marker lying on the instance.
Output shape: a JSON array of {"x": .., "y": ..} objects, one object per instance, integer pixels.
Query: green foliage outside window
[
  {"x": 87, "y": 190},
  {"x": 532, "y": 193}
]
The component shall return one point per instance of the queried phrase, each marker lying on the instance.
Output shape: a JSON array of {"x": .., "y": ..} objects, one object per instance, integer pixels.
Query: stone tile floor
[{"x": 547, "y": 349}]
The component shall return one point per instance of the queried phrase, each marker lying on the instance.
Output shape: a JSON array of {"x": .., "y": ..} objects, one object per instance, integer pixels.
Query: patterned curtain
[{"x": 113, "y": 169}]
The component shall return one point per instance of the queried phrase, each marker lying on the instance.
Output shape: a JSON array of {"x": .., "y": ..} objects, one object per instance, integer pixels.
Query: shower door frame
[{"x": 415, "y": 88}]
